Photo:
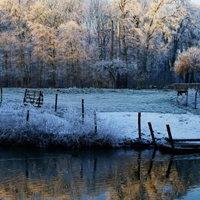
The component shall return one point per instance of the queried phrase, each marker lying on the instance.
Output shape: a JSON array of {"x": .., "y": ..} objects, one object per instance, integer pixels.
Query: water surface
[{"x": 97, "y": 174}]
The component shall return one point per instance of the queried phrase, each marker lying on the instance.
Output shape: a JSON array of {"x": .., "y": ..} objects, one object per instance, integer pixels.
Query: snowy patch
[{"x": 117, "y": 118}]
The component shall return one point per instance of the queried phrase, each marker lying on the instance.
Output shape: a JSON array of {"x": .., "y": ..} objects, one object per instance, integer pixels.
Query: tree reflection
[{"x": 119, "y": 174}]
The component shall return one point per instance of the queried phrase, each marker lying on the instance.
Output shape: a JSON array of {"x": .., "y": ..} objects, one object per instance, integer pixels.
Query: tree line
[{"x": 95, "y": 43}]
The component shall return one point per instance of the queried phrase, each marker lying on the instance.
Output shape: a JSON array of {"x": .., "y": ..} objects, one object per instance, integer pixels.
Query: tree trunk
[
  {"x": 41, "y": 67},
  {"x": 5, "y": 67},
  {"x": 53, "y": 66},
  {"x": 5, "y": 61},
  {"x": 23, "y": 68},
  {"x": 123, "y": 38},
  {"x": 113, "y": 80},
  {"x": 192, "y": 77},
  {"x": 111, "y": 40},
  {"x": 144, "y": 64},
  {"x": 99, "y": 41},
  {"x": 118, "y": 41},
  {"x": 187, "y": 78},
  {"x": 104, "y": 48}
]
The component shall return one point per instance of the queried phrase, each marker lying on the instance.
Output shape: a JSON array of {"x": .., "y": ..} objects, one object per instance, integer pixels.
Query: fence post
[
  {"x": 56, "y": 102},
  {"x": 27, "y": 116},
  {"x": 25, "y": 96},
  {"x": 39, "y": 98},
  {"x": 139, "y": 125},
  {"x": 195, "y": 100},
  {"x": 95, "y": 122},
  {"x": 82, "y": 111},
  {"x": 152, "y": 134},
  {"x": 170, "y": 136},
  {"x": 187, "y": 97}
]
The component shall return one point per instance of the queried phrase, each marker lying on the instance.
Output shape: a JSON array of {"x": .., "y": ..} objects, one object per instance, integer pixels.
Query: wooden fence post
[
  {"x": 139, "y": 125},
  {"x": 25, "y": 96},
  {"x": 95, "y": 122},
  {"x": 187, "y": 97},
  {"x": 27, "y": 116},
  {"x": 170, "y": 136},
  {"x": 56, "y": 101},
  {"x": 39, "y": 98},
  {"x": 82, "y": 111},
  {"x": 152, "y": 134},
  {"x": 195, "y": 100}
]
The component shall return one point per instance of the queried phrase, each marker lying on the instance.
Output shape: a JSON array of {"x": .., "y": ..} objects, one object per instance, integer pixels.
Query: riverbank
[{"x": 116, "y": 118}]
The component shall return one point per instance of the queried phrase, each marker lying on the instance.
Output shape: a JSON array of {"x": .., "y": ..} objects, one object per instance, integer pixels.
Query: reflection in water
[{"x": 108, "y": 174}]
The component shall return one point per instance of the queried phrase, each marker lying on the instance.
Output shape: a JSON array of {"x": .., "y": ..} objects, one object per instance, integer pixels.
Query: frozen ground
[{"x": 117, "y": 117}]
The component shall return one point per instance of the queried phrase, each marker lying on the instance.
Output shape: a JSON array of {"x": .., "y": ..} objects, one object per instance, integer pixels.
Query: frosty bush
[
  {"x": 45, "y": 128},
  {"x": 188, "y": 63}
]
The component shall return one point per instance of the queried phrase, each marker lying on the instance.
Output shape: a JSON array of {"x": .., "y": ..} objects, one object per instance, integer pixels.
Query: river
[{"x": 107, "y": 174}]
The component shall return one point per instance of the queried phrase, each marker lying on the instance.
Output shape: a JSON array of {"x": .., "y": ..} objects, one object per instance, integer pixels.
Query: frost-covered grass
[{"x": 117, "y": 112}]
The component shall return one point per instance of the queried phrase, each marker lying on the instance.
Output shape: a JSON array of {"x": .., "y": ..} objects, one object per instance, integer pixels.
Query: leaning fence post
[
  {"x": 139, "y": 125},
  {"x": 170, "y": 136},
  {"x": 82, "y": 111},
  {"x": 56, "y": 101},
  {"x": 152, "y": 134}
]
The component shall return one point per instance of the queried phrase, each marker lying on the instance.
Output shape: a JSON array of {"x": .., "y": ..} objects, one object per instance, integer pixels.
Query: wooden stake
[
  {"x": 27, "y": 116},
  {"x": 195, "y": 100},
  {"x": 170, "y": 136},
  {"x": 56, "y": 102},
  {"x": 82, "y": 111},
  {"x": 39, "y": 98},
  {"x": 95, "y": 122},
  {"x": 152, "y": 134},
  {"x": 25, "y": 96},
  {"x": 186, "y": 97},
  {"x": 139, "y": 125}
]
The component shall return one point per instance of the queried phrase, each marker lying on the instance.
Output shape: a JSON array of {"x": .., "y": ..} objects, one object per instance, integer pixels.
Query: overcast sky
[{"x": 196, "y": 1}]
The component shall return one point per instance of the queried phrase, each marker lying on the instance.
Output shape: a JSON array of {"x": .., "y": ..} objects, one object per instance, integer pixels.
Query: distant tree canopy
[
  {"x": 63, "y": 43},
  {"x": 188, "y": 63},
  {"x": 113, "y": 68}
]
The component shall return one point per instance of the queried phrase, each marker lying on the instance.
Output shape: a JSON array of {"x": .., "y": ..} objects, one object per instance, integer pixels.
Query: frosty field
[{"x": 117, "y": 122}]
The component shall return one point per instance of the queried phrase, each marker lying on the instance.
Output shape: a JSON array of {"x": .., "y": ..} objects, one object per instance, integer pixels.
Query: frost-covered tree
[
  {"x": 57, "y": 42},
  {"x": 152, "y": 19},
  {"x": 13, "y": 19},
  {"x": 111, "y": 68},
  {"x": 187, "y": 34},
  {"x": 188, "y": 63},
  {"x": 99, "y": 22},
  {"x": 72, "y": 49},
  {"x": 54, "y": 26},
  {"x": 44, "y": 18},
  {"x": 120, "y": 10}
]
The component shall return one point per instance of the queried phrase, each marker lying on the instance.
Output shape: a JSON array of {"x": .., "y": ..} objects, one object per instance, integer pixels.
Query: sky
[{"x": 196, "y": 1}]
